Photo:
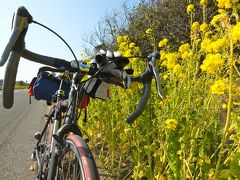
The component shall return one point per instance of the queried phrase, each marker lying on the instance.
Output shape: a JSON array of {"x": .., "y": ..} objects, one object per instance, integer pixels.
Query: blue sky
[{"x": 71, "y": 19}]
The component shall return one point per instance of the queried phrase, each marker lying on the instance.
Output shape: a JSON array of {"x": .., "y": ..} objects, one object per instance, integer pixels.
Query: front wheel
[{"x": 76, "y": 161}]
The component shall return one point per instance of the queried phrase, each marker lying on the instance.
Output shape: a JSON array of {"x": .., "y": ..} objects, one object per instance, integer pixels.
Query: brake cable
[{"x": 61, "y": 39}]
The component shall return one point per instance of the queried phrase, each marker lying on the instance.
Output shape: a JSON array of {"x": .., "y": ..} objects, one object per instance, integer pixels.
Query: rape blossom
[
  {"x": 212, "y": 63},
  {"x": 205, "y": 45},
  {"x": 219, "y": 18},
  {"x": 184, "y": 48},
  {"x": 119, "y": 39},
  {"x": 178, "y": 69},
  {"x": 218, "y": 87},
  {"x": 203, "y": 27},
  {"x": 218, "y": 44},
  {"x": 148, "y": 31},
  {"x": 235, "y": 32},
  {"x": 163, "y": 42},
  {"x": 221, "y": 3},
  {"x": 195, "y": 26},
  {"x": 170, "y": 60},
  {"x": 202, "y": 2},
  {"x": 190, "y": 8},
  {"x": 226, "y": 3},
  {"x": 171, "y": 124},
  {"x": 224, "y": 106}
]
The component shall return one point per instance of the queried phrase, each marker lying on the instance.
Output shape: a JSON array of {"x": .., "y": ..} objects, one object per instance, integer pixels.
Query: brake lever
[
  {"x": 156, "y": 75},
  {"x": 20, "y": 23}
]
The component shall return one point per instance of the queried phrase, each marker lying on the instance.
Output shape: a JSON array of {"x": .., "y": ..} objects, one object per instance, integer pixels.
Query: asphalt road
[{"x": 17, "y": 127}]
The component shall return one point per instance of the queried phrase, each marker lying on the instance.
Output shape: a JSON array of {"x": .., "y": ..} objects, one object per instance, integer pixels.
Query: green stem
[
  {"x": 204, "y": 12},
  {"x": 227, "y": 125}
]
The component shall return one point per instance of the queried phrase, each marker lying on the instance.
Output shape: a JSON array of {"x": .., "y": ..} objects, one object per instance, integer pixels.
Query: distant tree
[
  {"x": 21, "y": 83},
  {"x": 166, "y": 18}
]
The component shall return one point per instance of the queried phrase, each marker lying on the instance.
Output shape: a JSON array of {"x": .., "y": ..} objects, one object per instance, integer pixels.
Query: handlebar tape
[
  {"x": 12, "y": 53},
  {"x": 23, "y": 12},
  {"x": 12, "y": 41},
  {"x": 50, "y": 61},
  {"x": 16, "y": 41},
  {"x": 9, "y": 79},
  {"x": 146, "y": 80}
]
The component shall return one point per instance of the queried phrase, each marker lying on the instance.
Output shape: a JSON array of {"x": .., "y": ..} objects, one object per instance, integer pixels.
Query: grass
[{"x": 17, "y": 87}]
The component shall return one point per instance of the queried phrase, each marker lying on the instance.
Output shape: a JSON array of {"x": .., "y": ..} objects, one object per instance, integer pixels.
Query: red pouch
[
  {"x": 30, "y": 87},
  {"x": 85, "y": 101}
]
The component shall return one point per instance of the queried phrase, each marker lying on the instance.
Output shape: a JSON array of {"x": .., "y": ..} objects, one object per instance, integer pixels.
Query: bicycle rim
[{"x": 76, "y": 161}]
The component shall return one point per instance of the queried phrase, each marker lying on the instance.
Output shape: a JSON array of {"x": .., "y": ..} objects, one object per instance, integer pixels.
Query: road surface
[{"x": 17, "y": 127}]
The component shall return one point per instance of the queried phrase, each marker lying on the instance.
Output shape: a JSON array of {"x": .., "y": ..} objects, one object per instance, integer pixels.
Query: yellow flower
[
  {"x": 207, "y": 160},
  {"x": 228, "y": 5},
  {"x": 123, "y": 46},
  {"x": 184, "y": 48},
  {"x": 163, "y": 42},
  {"x": 162, "y": 54},
  {"x": 148, "y": 31},
  {"x": 165, "y": 76},
  {"x": 195, "y": 26},
  {"x": 205, "y": 45},
  {"x": 204, "y": 27},
  {"x": 221, "y": 3},
  {"x": 132, "y": 45},
  {"x": 212, "y": 63},
  {"x": 126, "y": 38},
  {"x": 171, "y": 59},
  {"x": 221, "y": 11},
  {"x": 218, "y": 87},
  {"x": 171, "y": 124},
  {"x": 218, "y": 18},
  {"x": 160, "y": 177},
  {"x": 235, "y": 32},
  {"x": 200, "y": 162},
  {"x": 224, "y": 106},
  {"x": 141, "y": 174},
  {"x": 190, "y": 8},
  {"x": 203, "y": 2},
  {"x": 177, "y": 69},
  {"x": 119, "y": 39},
  {"x": 185, "y": 55},
  {"x": 128, "y": 53},
  {"x": 204, "y": 159},
  {"x": 218, "y": 44}
]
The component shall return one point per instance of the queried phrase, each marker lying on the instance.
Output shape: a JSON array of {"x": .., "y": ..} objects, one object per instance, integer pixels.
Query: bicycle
[{"x": 61, "y": 151}]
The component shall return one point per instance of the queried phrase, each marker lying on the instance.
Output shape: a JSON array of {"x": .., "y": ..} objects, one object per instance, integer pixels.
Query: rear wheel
[{"x": 76, "y": 162}]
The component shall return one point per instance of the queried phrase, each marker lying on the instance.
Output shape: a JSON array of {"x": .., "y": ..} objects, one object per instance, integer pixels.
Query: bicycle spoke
[{"x": 69, "y": 168}]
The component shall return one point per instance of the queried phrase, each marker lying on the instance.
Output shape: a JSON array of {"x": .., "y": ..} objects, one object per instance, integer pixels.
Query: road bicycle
[{"x": 61, "y": 151}]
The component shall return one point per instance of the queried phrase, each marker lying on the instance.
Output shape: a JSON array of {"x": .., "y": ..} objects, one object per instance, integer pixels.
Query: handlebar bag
[
  {"x": 96, "y": 88},
  {"x": 46, "y": 85}
]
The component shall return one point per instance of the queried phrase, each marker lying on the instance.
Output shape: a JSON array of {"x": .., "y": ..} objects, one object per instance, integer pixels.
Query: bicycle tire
[{"x": 76, "y": 161}]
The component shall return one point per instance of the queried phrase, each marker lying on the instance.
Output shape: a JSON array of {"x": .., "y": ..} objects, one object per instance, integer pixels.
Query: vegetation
[
  {"x": 18, "y": 85},
  {"x": 193, "y": 133}
]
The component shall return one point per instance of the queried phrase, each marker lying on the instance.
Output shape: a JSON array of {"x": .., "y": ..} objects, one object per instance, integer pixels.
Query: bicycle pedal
[
  {"x": 33, "y": 156},
  {"x": 37, "y": 136}
]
